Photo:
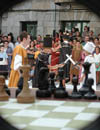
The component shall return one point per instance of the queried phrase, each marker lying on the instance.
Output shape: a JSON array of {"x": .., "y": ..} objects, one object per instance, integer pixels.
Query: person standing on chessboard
[
  {"x": 55, "y": 56},
  {"x": 19, "y": 54},
  {"x": 42, "y": 60},
  {"x": 65, "y": 49},
  {"x": 89, "y": 49}
]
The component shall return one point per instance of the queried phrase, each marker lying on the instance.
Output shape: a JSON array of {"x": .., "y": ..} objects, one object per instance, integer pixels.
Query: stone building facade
[{"x": 44, "y": 16}]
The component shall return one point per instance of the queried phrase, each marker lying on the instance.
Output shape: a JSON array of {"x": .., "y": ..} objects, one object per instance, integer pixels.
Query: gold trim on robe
[{"x": 14, "y": 75}]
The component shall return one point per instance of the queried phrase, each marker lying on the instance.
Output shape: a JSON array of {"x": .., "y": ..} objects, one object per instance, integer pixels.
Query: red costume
[{"x": 54, "y": 59}]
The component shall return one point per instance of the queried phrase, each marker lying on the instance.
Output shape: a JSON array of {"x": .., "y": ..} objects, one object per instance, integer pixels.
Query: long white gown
[{"x": 92, "y": 74}]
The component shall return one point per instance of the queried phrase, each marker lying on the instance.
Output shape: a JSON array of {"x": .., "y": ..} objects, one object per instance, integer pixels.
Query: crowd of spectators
[{"x": 74, "y": 38}]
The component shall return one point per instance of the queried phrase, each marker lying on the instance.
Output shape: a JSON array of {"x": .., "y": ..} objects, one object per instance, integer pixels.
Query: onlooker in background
[
  {"x": 38, "y": 51},
  {"x": 39, "y": 38},
  {"x": 3, "y": 59},
  {"x": 91, "y": 39},
  {"x": 85, "y": 32},
  {"x": 31, "y": 49},
  {"x": 9, "y": 52},
  {"x": 41, "y": 44},
  {"x": 3, "y": 54},
  {"x": 86, "y": 39},
  {"x": 78, "y": 35},
  {"x": 96, "y": 41},
  {"x": 35, "y": 42},
  {"x": 91, "y": 34},
  {"x": 73, "y": 32},
  {"x": 71, "y": 43},
  {"x": 61, "y": 35},
  {"x": 99, "y": 35},
  {"x": 97, "y": 63},
  {"x": 10, "y": 43},
  {"x": 5, "y": 38},
  {"x": 32, "y": 72},
  {"x": 12, "y": 37},
  {"x": 74, "y": 41},
  {"x": 1, "y": 38},
  {"x": 30, "y": 52},
  {"x": 57, "y": 37},
  {"x": 18, "y": 41}
]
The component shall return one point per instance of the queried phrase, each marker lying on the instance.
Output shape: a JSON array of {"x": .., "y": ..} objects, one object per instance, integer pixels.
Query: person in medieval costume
[
  {"x": 65, "y": 49},
  {"x": 55, "y": 55},
  {"x": 89, "y": 49},
  {"x": 19, "y": 54},
  {"x": 76, "y": 56}
]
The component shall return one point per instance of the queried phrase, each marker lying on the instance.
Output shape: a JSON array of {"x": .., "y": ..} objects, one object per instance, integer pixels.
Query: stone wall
[{"x": 43, "y": 11}]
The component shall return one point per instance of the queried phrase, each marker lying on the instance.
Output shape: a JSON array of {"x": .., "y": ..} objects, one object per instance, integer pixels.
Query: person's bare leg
[
  {"x": 64, "y": 82},
  {"x": 71, "y": 76},
  {"x": 97, "y": 77}
]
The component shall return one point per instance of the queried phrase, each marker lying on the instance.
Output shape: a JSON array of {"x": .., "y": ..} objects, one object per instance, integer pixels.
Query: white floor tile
[
  {"x": 31, "y": 113},
  {"x": 16, "y": 106},
  {"x": 94, "y": 105},
  {"x": 69, "y": 129},
  {"x": 5, "y": 116},
  {"x": 50, "y": 103},
  {"x": 69, "y": 109},
  {"x": 49, "y": 122},
  {"x": 20, "y": 126},
  {"x": 11, "y": 100},
  {"x": 86, "y": 116}
]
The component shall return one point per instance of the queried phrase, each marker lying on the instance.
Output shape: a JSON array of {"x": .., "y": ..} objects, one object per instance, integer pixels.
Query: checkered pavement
[{"x": 49, "y": 114}]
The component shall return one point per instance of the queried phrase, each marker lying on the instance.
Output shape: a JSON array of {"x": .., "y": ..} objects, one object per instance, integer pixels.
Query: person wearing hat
[{"x": 89, "y": 49}]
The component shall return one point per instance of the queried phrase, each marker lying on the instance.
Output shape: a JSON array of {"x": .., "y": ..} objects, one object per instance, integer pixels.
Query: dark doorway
[{"x": 30, "y": 27}]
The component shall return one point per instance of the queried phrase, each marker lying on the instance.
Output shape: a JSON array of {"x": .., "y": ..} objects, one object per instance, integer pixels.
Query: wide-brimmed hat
[{"x": 89, "y": 47}]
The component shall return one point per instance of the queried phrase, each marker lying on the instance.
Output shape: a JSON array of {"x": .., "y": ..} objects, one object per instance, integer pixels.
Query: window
[
  {"x": 68, "y": 25},
  {"x": 30, "y": 27}
]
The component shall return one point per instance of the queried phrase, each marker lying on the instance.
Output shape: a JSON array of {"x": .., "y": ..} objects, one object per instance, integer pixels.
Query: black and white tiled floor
[{"x": 50, "y": 114}]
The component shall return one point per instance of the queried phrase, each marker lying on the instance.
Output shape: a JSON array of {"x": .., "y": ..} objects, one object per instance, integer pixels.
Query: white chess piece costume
[{"x": 90, "y": 47}]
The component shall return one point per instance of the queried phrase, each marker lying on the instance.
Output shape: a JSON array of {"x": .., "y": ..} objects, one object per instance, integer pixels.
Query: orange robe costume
[{"x": 14, "y": 75}]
